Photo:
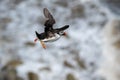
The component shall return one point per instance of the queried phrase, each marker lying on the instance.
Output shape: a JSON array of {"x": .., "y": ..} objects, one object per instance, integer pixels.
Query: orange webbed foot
[
  {"x": 43, "y": 44},
  {"x": 35, "y": 40}
]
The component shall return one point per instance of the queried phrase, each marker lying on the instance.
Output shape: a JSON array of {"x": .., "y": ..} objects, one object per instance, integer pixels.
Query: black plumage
[{"x": 49, "y": 31}]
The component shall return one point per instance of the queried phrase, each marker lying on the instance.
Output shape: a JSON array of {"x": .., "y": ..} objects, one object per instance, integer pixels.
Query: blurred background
[{"x": 77, "y": 57}]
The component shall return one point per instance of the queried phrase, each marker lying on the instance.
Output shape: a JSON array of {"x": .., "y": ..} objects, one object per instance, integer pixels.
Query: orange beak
[{"x": 65, "y": 34}]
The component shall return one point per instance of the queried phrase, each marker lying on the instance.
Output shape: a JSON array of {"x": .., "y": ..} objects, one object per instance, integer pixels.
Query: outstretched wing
[
  {"x": 62, "y": 28},
  {"x": 49, "y": 20}
]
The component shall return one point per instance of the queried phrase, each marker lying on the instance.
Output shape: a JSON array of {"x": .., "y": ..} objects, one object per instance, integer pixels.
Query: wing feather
[
  {"x": 62, "y": 28},
  {"x": 49, "y": 18}
]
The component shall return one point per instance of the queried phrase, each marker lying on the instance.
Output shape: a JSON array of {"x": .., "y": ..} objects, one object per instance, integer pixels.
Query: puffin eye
[{"x": 61, "y": 32}]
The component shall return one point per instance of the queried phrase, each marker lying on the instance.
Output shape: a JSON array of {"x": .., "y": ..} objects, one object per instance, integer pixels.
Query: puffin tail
[{"x": 37, "y": 34}]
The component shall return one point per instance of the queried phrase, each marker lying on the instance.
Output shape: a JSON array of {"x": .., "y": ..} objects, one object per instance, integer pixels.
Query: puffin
[{"x": 50, "y": 34}]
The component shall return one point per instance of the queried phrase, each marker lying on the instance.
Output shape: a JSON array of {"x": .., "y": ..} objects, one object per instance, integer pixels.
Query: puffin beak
[{"x": 65, "y": 34}]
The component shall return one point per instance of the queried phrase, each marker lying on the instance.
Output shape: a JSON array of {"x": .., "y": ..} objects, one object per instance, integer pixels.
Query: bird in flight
[{"x": 50, "y": 34}]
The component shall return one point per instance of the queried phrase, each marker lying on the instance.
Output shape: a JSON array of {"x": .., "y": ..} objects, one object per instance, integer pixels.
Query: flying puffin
[{"x": 50, "y": 34}]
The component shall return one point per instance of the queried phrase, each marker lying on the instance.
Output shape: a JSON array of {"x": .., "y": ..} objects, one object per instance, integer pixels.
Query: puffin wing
[
  {"x": 49, "y": 20},
  {"x": 62, "y": 28}
]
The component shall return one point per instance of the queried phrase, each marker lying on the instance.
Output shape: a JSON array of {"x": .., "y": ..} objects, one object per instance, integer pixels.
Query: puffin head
[{"x": 62, "y": 32}]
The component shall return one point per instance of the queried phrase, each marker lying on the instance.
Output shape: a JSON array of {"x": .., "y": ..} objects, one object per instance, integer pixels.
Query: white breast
[{"x": 56, "y": 37}]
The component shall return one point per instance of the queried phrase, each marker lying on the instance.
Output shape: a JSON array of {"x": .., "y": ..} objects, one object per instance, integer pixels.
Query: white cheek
[
  {"x": 61, "y": 33},
  {"x": 57, "y": 36}
]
